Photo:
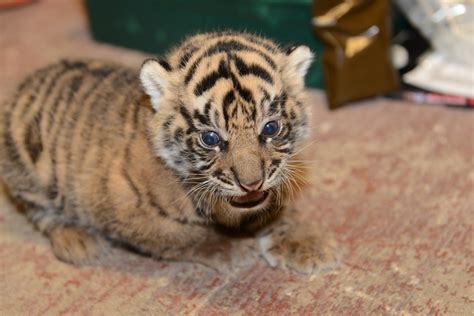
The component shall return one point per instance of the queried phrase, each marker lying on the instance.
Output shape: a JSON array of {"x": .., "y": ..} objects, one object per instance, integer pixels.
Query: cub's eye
[
  {"x": 210, "y": 139},
  {"x": 270, "y": 129}
]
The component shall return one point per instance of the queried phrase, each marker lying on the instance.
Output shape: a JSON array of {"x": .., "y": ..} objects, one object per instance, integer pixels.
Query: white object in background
[
  {"x": 447, "y": 24},
  {"x": 440, "y": 73}
]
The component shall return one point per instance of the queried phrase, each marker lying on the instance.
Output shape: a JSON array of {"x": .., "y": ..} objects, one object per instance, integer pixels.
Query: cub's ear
[
  {"x": 299, "y": 59},
  {"x": 154, "y": 76}
]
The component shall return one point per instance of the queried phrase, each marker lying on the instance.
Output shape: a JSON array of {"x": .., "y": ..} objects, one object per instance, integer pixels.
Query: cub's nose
[{"x": 253, "y": 186}]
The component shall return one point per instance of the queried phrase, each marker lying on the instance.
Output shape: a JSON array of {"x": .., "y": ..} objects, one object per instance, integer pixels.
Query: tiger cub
[{"x": 165, "y": 160}]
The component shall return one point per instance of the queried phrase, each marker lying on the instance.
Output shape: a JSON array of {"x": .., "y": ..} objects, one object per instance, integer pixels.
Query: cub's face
[{"x": 230, "y": 123}]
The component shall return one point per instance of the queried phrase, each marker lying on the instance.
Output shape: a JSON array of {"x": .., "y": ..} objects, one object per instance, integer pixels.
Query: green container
[{"x": 155, "y": 26}]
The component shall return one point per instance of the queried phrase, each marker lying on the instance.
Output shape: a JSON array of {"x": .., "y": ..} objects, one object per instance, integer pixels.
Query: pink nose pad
[{"x": 254, "y": 186}]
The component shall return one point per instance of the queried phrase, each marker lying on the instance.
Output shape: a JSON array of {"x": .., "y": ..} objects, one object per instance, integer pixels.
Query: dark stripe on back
[
  {"x": 34, "y": 89},
  {"x": 99, "y": 74},
  {"x": 91, "y": 115},
  {"x": 60, "y": 119},
  {"x": 95, "y": 131},
  {"x": 32, "y": 141},
  {"x": 67, "y": 66},
  {"x": 10, "y": 147}
]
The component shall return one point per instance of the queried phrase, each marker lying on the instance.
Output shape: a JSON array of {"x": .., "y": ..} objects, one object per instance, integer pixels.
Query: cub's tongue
[{"x": 249, "y": 197}]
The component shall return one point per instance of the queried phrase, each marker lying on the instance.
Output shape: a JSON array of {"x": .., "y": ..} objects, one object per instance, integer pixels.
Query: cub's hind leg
[
  {"x": 70, "y": 242},
  {"x": 77, "y": 245}
]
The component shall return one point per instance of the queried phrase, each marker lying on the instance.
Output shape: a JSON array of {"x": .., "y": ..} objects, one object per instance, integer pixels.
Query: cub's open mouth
[{"x": 249, "y": 200}]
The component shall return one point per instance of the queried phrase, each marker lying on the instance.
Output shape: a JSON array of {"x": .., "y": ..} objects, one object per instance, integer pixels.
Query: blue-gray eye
[
  {"x": 270, "y": 129},
  {"x": 210, "y": 139}
]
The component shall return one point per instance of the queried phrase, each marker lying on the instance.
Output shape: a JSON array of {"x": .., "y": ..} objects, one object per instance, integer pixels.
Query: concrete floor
[{"x": 393, "y": 182}]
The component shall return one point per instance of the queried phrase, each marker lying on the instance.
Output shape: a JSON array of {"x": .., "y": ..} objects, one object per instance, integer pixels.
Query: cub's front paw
[
  {"x": 77, "y": 246},
  {"x": 300, "y": 248}
]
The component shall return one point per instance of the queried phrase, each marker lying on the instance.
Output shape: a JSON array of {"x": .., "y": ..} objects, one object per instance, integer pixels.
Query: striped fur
[{"x": 97, "y": 151}]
